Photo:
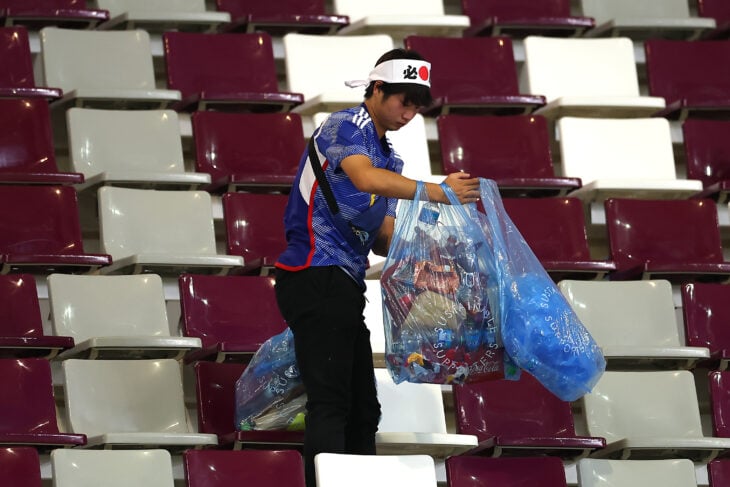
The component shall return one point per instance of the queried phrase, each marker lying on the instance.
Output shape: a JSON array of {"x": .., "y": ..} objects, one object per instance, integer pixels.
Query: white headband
[{"x": 397, "y": 71}]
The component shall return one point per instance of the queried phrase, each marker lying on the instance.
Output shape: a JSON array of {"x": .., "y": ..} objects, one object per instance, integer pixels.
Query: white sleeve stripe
[
  {"x": 306, "y": 183},
  {"x": 308, "y": 179}
]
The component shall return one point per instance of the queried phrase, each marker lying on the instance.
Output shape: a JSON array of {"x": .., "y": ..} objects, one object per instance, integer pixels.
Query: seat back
[
  {"x": 26, "y": 140},
  {"x": 594, "y": 472},
  {"x": 707, "y": 150},
  {"x": 242, "y": 8},
  {"x": 490, "y": 71},
  {"x": 146, "y": 141},
  {"x": 481, "y": 10},
  {"x": 673, "y": 69},
  {"x": 666, "y": 231},
  {"x": 28, "y": 405},
  {"x": 89, "y": 59},
  {"x": 255, "y": 226},
  {"x": 15, "y": 58},
  {"x": 124, "y": 396},
  {"x": 20, "y": 312},
  {"x": 20, "y": 467},
  {"x": 263, "y": 468},
  {"x": 215, "y": 390},
  {"x": 356, "y": 10},
  {"x": 112, "y": 468},
  {"x": 474, "y": 471},
  {"x": 554, "y": 228},
  {"x": 643, "y": 405},
  {"x": 39, "y": 220},
  {"x": 337, "y": 469},
  {"x": 138, "y": 221},
  {"x": 118, "y": 7},
  {"x": 234, "y": 63},
  {"x": 625, "y": 313},
  {"x": 717, "y": 9},
  {"x": 46, "y": 4},
  {"x": 398, "y": 413},
  {"x": 311, "y": 71},
  {"x": 606, "y": 10},
  {"x": 594, "y": 148},
  {"x": 85, "y": 307},
  {"x": 706, "y": 316},
  {"x": 246, "y": 145},
  {"x": 720, "y": 402},
  {"x": 718, "y": 472},
  {"x": 495, "y": 147},
  {"x": 522, "y": 408},
  {"x": 239, "y": 309},
  {"x": 556, "y": 67}
]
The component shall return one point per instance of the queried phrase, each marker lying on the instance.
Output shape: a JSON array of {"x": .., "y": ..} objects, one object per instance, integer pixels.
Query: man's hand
[{"x": 465, "y": 187}]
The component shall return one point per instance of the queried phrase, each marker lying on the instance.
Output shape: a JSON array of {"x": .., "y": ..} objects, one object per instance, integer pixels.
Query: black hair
[{"x": 414, "y": 94}]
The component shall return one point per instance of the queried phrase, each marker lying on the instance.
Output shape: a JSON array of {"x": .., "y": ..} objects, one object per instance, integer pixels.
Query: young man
[{"x": 341, "y": 206}]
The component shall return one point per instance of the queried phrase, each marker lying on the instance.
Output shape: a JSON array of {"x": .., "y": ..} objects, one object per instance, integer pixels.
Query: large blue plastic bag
[
  {"x": 270, "y": 394},
  {"x": 438, "y": 322},
  {"x": 540, "y": 331}
]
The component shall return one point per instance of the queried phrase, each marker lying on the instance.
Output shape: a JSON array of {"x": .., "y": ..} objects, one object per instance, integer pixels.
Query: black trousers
[{"x": 324, "y": 308}]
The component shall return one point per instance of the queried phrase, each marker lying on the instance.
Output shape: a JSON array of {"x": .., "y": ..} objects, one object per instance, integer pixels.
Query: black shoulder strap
[{"x": 322, "y": 179}]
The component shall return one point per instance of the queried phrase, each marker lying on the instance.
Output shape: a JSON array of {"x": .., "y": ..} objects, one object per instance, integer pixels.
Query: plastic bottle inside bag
[
  {"x": 427, "y": 233},
  {"x": 410, "y": 341},
  {"x": 428, "y": 216}
]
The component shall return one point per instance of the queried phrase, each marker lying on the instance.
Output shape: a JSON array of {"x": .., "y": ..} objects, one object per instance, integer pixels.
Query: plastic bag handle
[
  {"x": 493, "y": 207},
  {"x": 489, "y": 193},
  {"x": 454, "y": 201},
  {"x": 491, "y": 200},
  {"x": 421, "y": 193}
]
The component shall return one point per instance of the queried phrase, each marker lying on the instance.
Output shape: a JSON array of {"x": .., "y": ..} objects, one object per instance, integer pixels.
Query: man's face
[{"x": 392, "y": 113}]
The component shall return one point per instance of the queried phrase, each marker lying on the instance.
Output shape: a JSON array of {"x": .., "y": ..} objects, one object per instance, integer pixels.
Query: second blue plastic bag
[
  {"x": 269, "y": 393},
  {"x": 540, "y": 331}
]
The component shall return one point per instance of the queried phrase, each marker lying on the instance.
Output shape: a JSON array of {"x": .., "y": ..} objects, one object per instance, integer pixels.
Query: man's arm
[
  {"x": 383, "y": 182},
  {"x": 385, "y": 234}
]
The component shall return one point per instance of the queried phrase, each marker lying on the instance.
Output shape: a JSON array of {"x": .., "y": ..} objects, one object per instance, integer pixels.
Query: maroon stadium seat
[
  {"x": 28, "y": 407},
  {"x": 689, "y": 77},
  {"x": 281, "y": 17},
  {"x": 520, "y": 18},
  {"x": 228, "y": 71},
  {"x": 27, "y": 153},
  {"x": 232, "y": 315},
  {"x": 21, "y": 326},
  {"x": 514, "y": 151},
  {"x": 36, "y": 14},
  {"x": 250, "y": 151},
  {"x": 474, "y": 76},
  {"x": 519, "y": 418},
  {"x": 555, "y": 230},
  {"x": 677, "y": 240}
]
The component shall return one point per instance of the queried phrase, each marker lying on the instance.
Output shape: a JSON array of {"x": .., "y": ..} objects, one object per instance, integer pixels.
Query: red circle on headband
[{"x": 423, "y": 73}]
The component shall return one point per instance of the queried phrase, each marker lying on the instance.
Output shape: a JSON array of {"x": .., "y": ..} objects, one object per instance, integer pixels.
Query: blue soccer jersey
[{"x": 312, "y": 238}]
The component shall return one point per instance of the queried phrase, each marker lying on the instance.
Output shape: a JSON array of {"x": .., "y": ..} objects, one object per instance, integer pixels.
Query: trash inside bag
[
  {"x": 438, "y": 320},
  {"x": 270, "y": 394}
]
